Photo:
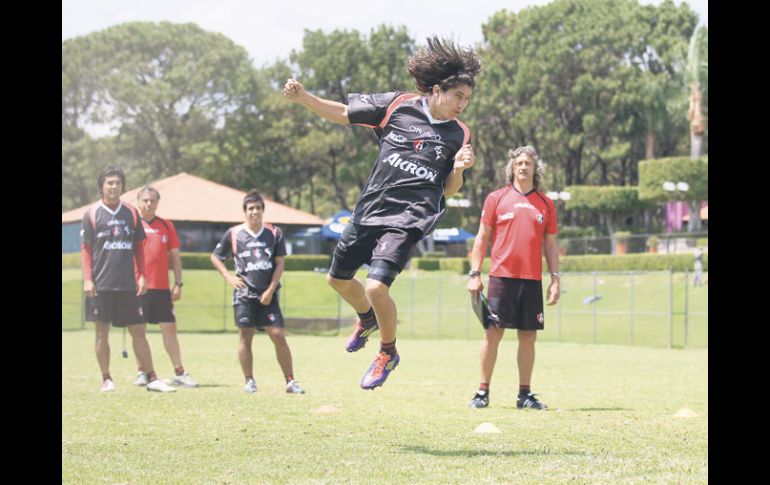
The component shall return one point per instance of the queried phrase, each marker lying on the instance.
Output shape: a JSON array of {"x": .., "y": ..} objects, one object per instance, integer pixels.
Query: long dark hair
[{"x": 443, "y": 63}]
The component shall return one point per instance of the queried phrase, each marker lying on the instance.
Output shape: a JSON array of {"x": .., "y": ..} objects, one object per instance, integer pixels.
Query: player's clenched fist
[{"x": 293, "y": 89}]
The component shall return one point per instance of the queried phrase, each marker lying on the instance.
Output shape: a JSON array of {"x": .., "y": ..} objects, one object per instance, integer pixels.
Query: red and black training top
[
  {"x": 109, "y": 240},
  {"x": 406, "y": 185},
  {"x": 254, "y": 255}
]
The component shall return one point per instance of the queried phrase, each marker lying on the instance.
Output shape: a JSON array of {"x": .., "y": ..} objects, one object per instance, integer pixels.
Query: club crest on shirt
[
  {"x": 419, "y": 145},
  {"x": 539, "y": 218}
]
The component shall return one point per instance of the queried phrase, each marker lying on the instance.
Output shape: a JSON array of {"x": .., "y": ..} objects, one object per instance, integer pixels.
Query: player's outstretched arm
[{"x": 328, "y": 110}]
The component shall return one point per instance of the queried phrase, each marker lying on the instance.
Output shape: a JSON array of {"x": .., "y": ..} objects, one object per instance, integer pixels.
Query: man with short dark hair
[
  {"x": 521, "y": 221},
  {"x": 111, "y": 244},
  {"x": 160, "y": 246},
  {"x": 258, "y": 250}
]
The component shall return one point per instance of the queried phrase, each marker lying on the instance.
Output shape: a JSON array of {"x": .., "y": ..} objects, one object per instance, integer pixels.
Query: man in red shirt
[
  {"x": 161, "y": 244},
  {"x": 519, "y": 219}
]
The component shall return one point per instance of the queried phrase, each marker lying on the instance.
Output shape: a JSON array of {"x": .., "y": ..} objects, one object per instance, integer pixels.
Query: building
[{"x": 202, "y": 211}]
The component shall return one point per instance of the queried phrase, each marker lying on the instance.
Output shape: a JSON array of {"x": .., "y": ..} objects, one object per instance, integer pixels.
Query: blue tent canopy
[
  {"x": 333, "y": 227},
  {"x": 452, "y": 235}
]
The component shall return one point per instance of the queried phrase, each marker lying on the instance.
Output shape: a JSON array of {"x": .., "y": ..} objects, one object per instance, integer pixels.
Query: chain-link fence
[{"x": 659, "y": 309}]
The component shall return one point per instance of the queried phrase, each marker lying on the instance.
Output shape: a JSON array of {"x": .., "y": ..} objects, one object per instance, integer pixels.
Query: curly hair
[
  {"x": 443, "y": 63},
  {"x": 532, "y": 153}
]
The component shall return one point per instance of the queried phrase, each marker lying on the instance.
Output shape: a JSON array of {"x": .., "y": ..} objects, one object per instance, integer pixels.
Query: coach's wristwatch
[
  {"x": 179, "y": 284},
  {"x": 474, "y": 273}
]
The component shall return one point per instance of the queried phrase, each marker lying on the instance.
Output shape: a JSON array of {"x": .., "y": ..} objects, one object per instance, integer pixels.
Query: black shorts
[
  {"x": 361, "y": 245},
  {"x": 157, "y": 306},
  {"x": 121, "y": 308},
  {"x": 252, "y": 313},
  {"x": 518, "y": 302}
]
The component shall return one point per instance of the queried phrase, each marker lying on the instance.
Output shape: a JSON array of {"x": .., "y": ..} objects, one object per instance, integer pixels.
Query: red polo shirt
[{"x": 520, "y": 223}]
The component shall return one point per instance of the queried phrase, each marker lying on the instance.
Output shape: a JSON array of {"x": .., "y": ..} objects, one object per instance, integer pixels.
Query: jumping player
[{"x": 424, "y": 150}]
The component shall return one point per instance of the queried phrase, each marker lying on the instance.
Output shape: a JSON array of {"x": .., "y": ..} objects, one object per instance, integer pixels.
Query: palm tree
[{"x": 696, "y": 117}]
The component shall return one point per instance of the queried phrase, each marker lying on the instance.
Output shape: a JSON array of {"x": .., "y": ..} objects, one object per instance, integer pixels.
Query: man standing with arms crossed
[
  {"x": 161, "y": 244},
  {"x": 518, "y": 218},
  {"x": 111, "y": 243}
]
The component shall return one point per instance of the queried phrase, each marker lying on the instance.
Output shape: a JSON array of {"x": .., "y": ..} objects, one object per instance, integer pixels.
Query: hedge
[
  {"x": 629, "y": 262},
  {"x": 694, "y": 171},
  {"x": 581, "y": 263},
  {"x": 300, "y": 262}
]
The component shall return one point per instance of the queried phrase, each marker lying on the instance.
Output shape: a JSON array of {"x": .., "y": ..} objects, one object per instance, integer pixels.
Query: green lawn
[
  {"x": 611, "y": 416},
  {"x": 634, "y": 310}
]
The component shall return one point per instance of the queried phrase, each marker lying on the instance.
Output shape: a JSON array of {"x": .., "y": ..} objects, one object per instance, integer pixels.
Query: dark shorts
[
  {"x": 157, "y": 306},
  {"x": 254, "y": 314},
  {"x": 361, "y": 245},
  {"x": 518, "y": 303},
  {"x": 121, "y": 308}
]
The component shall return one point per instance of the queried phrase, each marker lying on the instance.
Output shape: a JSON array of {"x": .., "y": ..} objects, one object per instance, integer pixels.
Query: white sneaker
[
  {"x": 251, "y": 386},
  {"x": 108, "y": 386},
  {"x": 183, "y": 380},
  {"x": 141, "y": 379},
  {"x": 159, "y": 386},
  {"x": 292, "y": 387}
]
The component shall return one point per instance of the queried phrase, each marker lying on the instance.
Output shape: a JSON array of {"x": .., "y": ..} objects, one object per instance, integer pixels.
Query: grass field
[
  {"x": 645, "y": 309},
  {"x": 611, "y": 418}
]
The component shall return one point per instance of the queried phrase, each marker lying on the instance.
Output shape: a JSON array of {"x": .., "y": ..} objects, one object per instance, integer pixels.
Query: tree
[
  {"x": 566, "y": 78},
  {"x": 161, "y": 91}
]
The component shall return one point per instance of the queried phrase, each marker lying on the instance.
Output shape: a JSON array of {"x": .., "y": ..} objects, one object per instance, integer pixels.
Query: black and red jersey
[
  {"x": 112, "y": 237},
  {"x": 406, "y": 185},
  {"x": 254, "y": 255}
]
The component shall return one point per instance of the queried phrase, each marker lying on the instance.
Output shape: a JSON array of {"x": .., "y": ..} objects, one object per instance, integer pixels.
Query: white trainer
[
  {"x": 159, "y": 386},
  {"x": 107, "y": 386},
  {"x": 292, "y": 387},
  {"x": 183, "y": 380},
  {"x": 141, "y": 379},
  {"x": 251, "y": 386}
]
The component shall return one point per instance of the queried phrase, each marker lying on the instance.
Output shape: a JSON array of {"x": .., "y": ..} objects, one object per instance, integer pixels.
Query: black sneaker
[
  {"x": 529, "y": 401},
  {"x": 480, "y": 400}
]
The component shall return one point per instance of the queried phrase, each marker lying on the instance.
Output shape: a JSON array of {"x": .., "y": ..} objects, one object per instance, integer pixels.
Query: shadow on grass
[
  {"x": 207, "y": 385},
  {"x": 513, "y": 407},
  {"x": 472, "y": 453},
  {"x": 599, "y": 409}
]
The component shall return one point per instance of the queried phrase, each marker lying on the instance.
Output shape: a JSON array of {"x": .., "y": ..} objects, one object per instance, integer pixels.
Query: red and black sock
[
  {"x": 389, "y": 348},
  {"x": 484, "y": 386},
  {"x": 151, "y": 376},
  {"x": 524, "y": 390},
  {"x": 289, "y": 378},
  {"x": 368, "y": 319},
  {"x": 179, "y": 370}
]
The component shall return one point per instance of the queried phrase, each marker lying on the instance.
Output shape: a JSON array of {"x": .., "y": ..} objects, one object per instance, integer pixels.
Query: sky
[{"x": 270, "y": 30}]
